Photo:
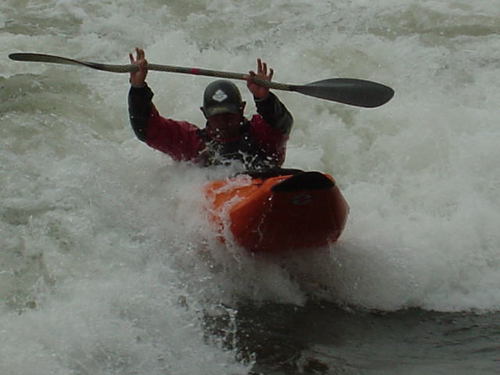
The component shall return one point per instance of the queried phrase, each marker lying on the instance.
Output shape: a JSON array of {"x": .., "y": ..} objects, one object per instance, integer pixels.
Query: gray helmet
[{"x": 221, "y": 96}]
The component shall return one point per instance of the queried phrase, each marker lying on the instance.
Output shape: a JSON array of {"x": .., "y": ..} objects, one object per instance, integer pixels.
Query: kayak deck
[{"x": 280, "y": 213}]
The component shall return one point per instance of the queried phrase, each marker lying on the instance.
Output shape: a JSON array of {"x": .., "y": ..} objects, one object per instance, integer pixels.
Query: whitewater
[{"x": 108, "y": 264}]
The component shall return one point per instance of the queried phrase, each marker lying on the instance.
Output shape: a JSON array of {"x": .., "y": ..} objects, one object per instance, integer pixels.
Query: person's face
[{"x": 224, "y": 127}]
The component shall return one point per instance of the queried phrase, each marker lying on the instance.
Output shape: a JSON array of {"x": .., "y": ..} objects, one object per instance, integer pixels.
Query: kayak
[{"x": 274, "y": 212}]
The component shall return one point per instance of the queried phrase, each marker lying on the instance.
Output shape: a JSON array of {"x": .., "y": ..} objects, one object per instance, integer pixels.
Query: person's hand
[
  {"x": 138, "y": 78},
  {"x": 259, "y": 92}
]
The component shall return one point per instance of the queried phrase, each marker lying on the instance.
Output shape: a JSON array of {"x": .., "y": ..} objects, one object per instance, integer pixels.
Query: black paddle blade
[
  {"x": 351, "y": 91},
  {"x": 39, "y": 57}
]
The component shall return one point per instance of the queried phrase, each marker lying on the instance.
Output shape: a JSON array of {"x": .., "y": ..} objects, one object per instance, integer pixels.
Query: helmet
[{"x": 221, "y": 96}]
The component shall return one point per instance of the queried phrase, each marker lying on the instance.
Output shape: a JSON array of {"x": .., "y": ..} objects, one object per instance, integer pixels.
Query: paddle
[{"x": 351, "y": 91}]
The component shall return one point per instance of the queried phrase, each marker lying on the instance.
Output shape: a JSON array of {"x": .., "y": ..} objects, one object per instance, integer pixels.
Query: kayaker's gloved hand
[
  {"x": 259, "y": 92},
  {"x": 138, "y": 79}
]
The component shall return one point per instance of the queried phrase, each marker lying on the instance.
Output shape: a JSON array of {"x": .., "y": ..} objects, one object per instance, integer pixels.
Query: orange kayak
[{"x": 275, "y": 214}]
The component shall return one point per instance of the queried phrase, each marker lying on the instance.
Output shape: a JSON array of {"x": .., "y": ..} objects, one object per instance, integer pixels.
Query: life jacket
[{"x": 246, "y": 149}]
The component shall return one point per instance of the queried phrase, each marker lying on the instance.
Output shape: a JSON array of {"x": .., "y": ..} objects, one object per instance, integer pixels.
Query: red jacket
[{"x": 262, "y": 141}]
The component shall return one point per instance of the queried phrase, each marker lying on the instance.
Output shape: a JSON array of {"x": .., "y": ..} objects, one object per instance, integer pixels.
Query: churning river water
[{"x": 108, "y": 265}]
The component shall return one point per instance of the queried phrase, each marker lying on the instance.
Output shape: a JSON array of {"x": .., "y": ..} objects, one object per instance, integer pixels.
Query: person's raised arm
[
  {"x": 268, "y": 105},
  {"x": 138, "y": 78},
  {"x": 140, "y": 95},
  {"x": 259, "y": 92}
]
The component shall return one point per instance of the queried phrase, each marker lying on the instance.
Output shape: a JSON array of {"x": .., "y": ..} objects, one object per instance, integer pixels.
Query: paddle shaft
[{"x": 216, "y": 73}]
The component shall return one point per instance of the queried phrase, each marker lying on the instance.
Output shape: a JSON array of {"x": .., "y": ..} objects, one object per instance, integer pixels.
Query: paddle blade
[
  {"x": 351, "y": 91},
  {"x": 39, "y": 57}
]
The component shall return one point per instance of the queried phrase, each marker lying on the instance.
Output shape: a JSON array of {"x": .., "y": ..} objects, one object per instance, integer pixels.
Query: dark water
[{"x": 321, "y": 338}]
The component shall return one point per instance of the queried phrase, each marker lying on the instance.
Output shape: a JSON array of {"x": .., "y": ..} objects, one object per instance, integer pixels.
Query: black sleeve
[
  {"x": 275, "y": 113},
  {"x": 139, "y": 109}
]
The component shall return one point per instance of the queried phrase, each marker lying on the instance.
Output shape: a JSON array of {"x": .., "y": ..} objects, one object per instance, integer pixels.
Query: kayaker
[{"x": 259, "y": 143}]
